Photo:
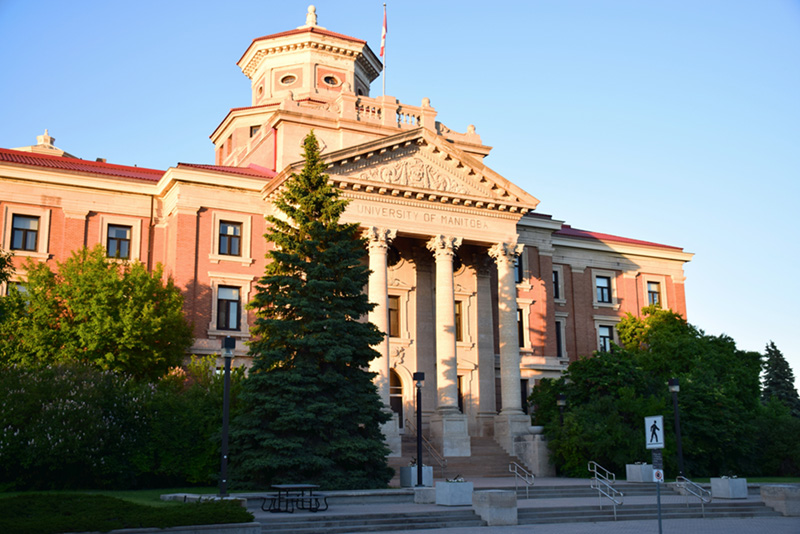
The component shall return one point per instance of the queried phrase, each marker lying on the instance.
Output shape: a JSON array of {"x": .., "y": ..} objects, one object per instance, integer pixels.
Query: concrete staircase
[
  {"x": 393, "y": 510},
  {"x": 488, "y": 460}
]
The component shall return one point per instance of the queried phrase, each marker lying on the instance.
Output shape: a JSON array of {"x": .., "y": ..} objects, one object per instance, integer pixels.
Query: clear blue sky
[{"x": 671, "y": 121}]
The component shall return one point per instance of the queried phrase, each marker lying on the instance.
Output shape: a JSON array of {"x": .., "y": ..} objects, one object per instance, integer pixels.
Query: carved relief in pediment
[{"x": 415, "y": 168}]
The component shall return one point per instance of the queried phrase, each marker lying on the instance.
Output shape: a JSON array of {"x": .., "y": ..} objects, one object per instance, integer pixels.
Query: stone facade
[{"x": 474, "y": 287}]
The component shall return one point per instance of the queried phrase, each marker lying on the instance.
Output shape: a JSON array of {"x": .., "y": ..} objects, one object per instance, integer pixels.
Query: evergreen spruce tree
[
  {"x": 778, "y": 380},
  {"x": 311, "y": 412}
]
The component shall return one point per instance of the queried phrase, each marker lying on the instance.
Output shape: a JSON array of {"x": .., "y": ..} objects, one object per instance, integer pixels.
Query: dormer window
[
  {"x": 289, "y": 79},
  {"x": 333, "y": 81}
]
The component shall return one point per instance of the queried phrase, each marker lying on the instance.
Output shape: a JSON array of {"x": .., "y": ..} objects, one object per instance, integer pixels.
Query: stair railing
[
  {"x": 690, "y": 488},
  {"x": 429, "y": 448},
  {"x": 602, "y": 481},
  {"x": 521, "y": 473}
]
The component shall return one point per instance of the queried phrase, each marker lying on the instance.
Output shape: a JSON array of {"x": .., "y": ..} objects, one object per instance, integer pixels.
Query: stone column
[
  {"x": 379, "y": 240},
  {"x": 448, "y": 425},
  {"x": 512, "y": 421}
]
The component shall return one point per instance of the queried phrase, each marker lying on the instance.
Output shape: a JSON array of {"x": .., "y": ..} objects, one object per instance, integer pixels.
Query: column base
[
  {"x": 514, "y": 433},
  {"x": 392, "y": 437},
  {"x": 450, "y": 433}
]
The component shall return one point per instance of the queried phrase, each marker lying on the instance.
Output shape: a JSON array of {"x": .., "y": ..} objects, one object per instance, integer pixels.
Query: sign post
[{"x": 654, "y": 439}]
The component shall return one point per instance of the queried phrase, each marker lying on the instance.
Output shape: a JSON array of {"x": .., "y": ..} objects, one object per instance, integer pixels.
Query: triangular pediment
[{"x": 424, "y": 166}]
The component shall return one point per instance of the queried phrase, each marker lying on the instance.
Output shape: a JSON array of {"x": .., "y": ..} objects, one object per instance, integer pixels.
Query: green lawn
[{"x": 55, "y": 512}]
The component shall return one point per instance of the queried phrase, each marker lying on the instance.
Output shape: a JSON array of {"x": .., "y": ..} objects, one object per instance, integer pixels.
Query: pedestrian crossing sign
[{"x": 654, "y": 431}]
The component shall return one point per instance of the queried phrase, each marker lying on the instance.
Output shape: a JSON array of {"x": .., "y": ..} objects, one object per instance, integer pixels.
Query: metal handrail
[
  {"x": 601, "y": 472},
  {"x": 602, "y": 481},
  {"x": 431, "y": 450},
  {"x": 526, "y": 477},
  {"x": 696, "y": 490}
]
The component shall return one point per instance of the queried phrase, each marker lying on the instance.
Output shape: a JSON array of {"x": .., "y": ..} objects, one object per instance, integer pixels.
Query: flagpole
[{"x": 383, "y": 48}]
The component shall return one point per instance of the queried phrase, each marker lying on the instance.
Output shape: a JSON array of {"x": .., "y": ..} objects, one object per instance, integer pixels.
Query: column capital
[
  {"x": 379, "y": 237},
  {"x": 443, "y": 245},
  {"x": 507, "y": 252}
]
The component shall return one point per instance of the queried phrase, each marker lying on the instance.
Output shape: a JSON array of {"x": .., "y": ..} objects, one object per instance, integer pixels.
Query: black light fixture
[
  {"x": 228, "y": 344},
  {"x": 674, "y": 388},
  {"x": 419, "y": 378}
]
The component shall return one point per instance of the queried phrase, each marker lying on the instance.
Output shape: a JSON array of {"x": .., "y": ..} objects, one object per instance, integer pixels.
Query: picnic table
[{"x": 292, "y": 496}]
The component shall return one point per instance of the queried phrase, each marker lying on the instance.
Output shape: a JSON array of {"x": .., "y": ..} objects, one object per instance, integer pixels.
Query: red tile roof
[
  {"x": 253, "y": 170},
  {"x": 568, "y": 231},
  {"x": 29, "y": 159}
]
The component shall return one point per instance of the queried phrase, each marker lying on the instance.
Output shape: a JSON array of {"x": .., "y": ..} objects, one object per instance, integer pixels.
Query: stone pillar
[
  {"x": 512, "y": 421},
  {"x": 379, "y": 240},
  {"x": 448, "y": 425},
  {"x": 487, "y": 410}
]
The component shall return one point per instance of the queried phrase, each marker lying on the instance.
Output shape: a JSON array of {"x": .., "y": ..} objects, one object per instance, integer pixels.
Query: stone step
[
  {"x": 306, "y": 524},
  {"x": 586, "y": 514}
]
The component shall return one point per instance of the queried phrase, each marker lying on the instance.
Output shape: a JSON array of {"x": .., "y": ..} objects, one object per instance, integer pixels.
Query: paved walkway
[{"x": 770, "y": 525}]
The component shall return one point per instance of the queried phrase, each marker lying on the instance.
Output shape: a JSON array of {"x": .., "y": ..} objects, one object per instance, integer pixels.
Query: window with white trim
[
  {"x": 26, "y": 231},
  {"x": 229, "y": 294},
  {"x": 654, "y": 290},
  {"x": 605, "y": 336},
  {"x": 122, "y": 236},
  {"x": 605, "y": 288},
  {"x": 559, "y": 296},
  {"x": 230, "y": 238},
  {"x": 228, "y": 308}
]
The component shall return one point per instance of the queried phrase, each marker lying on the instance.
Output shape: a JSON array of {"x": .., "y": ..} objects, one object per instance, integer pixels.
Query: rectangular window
[
  {"x": 556, "y": 290},
  {"x": 118, "y": 242},
  {"x": 16, "y": 286},
  {"x": 653, "y": 293},
  {"x": 606, "y": 334},
  {"x": 254, "y": 130},
  {"x": 228, "y": 308},
  {"x": 24, "y": 233},
  {"x": 519, "y": 270},
  {"x": 394, "y": 316},
  {"x": 520, "y": 328},
  {"x": 603, "y": 287},
  {"x": 559, "y": 341},
  {"x": 459, "y": 322},
  {"x": 230, "y": 237}
]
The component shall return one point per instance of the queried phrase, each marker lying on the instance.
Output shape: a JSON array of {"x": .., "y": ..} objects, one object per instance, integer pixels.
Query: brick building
[{"x": 474, "y": 287}]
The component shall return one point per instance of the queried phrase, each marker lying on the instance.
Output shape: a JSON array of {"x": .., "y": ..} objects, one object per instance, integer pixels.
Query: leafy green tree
[
  {"x": 609, "y": 394},
  {"x": 311, "y": 411},
  {"x": 778, "y": 380},
  {"x": 118, "y": 317}
]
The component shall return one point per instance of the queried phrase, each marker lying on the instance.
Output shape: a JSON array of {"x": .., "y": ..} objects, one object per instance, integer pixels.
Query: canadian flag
[{"x": 383, "y": 32}]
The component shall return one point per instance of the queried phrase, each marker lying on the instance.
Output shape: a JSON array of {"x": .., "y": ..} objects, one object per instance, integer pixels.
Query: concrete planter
[
  {"x": 729, "y": 488},
  {"x": 454, "y": 493},
  {"x": 408, "y": 476},
  {"x": 639, "y": 472}
]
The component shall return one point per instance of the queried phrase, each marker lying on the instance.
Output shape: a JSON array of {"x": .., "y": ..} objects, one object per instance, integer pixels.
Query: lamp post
[
  {"x": 561, "y": 402},
  {"x": 674, "y": 388},
  {"x": 228, "y": 344},
  {"x": 419, "y": 378}
]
